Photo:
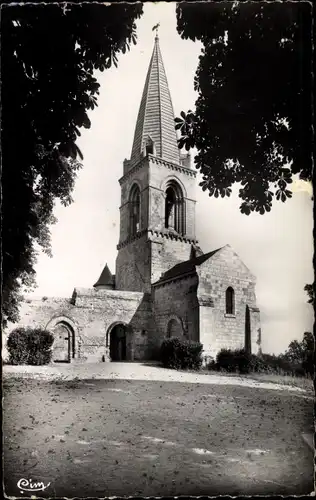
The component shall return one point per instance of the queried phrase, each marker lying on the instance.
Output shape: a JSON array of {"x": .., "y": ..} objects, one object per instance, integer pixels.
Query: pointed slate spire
[
  {"x": 106, "y": 279},
  {"x": 155, "y": 119}
]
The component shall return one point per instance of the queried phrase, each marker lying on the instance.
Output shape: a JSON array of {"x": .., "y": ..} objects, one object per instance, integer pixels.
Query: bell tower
[{"x": 157, "y": 212}]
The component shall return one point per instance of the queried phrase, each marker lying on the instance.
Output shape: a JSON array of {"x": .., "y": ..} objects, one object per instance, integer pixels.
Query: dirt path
[{"x": 133, "y": 371}]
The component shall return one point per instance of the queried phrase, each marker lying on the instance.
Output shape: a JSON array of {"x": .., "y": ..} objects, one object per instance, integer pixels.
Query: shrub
[
  {"x": 242, "y": 362},
  {"x": 257, "y": 364},
  {"x": 279, "y": 364},
  {"x": 233, "y": 361},
  {"x": 30, "y": 346},
  {"x": 181, "y": 354},
  {"x": 212, "y": 366},
  {"x": 308, "y": 364},
  {"x": 209, "y": 363}
]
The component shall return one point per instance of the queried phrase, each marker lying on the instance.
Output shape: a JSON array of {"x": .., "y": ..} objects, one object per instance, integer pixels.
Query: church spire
[{"x": 155, "y": 121}]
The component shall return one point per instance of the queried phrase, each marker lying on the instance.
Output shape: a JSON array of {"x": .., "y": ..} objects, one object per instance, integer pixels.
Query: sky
[{"x": 277, "y": 247}]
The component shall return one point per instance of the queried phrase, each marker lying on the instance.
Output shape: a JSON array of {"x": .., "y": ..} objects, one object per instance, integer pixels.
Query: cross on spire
[{"x": 156, "y": 27}]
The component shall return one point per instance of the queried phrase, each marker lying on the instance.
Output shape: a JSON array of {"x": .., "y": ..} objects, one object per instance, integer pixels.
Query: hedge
[
  {"x": 30, "y": 346},
  {"x": 242, "y": 362},
  {"x": 233, "y": 361},
  {"x": 181, "y": 354}
]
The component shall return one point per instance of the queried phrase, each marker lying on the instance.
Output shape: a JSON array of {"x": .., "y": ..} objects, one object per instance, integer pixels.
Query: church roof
[
  {"x": 106, "y": 278},
  {"x": 156, "y": 116},
  {"x": 187, "y": 266}
]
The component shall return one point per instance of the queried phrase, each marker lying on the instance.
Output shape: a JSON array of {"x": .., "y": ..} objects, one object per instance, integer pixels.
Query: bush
[
  {"x": 30, "y": 346},
  {"x": 239, "y": 361},
  {"x": 181, "y": 354},
  {"x": 308, "y": 364},
  {"x": 280, "y": 365},
  {"x": 233, "y": 361},
  {"x": 257, "y": 364},
  {"x": 209, "y": 363},
  {"x": 213, "y": 366}
]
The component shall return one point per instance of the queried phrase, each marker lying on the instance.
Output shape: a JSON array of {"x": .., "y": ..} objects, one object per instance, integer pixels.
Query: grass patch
[{"x": 305, "y": 383}]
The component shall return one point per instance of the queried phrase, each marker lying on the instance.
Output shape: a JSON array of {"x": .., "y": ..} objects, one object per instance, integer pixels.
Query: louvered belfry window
[
  {"x": 134, "y": 207},
  {"x": 174, "y": 208}
]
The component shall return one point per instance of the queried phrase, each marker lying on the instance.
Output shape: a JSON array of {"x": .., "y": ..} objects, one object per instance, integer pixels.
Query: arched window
[
  {"x": 230, "y": 301},
  {"x": 174, "y": 328},
  {"x": 134, "y": 207},
  {"x": 150, "y": 146},
  {"x": 174, "y": 208}
]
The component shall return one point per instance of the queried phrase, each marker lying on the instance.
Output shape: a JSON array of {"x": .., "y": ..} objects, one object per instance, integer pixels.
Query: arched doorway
[
  {"x": 64, "y": 344},
  {"x": 247, "y": 331},
  {"x": 174, "y": 328},
  {"x": 118, "y": 343}
]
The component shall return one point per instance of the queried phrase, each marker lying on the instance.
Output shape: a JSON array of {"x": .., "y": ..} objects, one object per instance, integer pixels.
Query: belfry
[
  {"x": 164, "y": 285},
  {"x": 157, "y": 214}
]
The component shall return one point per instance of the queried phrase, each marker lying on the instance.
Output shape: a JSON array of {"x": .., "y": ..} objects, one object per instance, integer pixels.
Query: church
[{"x": 164, "y": 285}]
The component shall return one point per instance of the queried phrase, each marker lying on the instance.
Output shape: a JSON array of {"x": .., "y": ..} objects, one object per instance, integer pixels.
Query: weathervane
[{"x": 156, "y": 27}]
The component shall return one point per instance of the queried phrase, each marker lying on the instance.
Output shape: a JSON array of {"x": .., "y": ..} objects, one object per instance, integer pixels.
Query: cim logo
[{"x": 28, "y": 485}]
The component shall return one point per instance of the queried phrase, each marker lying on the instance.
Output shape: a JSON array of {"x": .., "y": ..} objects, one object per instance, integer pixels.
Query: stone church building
[{"x": 164, "y": 285}]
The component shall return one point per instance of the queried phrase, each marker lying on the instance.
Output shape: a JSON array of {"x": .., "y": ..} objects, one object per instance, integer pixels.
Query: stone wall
[
  {"x": 140, "y": 176},
  {"x": 159, "y": 174},
  {"x": 133, "y": 271},
  {"x": 176, "y": 300},
  {"x": 141, "y": 262},
  {"x": 36, "y": 312},
  {"x": 217, "y": 329},
  {"x": 91, "y": 315},
  {"x": 166, "y": 252},
  {"x": 146, "y": 258}
]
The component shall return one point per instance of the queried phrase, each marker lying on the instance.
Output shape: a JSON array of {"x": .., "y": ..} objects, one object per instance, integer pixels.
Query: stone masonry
[{"x": 164, "y": 284}]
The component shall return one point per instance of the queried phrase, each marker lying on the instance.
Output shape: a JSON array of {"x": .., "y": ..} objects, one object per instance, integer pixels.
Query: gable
[{"x": 226, "y": 257}]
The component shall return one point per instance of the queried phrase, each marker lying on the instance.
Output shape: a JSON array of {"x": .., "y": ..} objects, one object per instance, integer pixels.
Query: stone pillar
[
  {"x": 107, "y": 354},
  {"x": 129, "y": 344}
]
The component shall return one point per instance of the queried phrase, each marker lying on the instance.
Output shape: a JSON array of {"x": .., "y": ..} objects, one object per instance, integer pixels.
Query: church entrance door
[
  {"x": 118, "y": 343},
  {"x": 63, "y": 343}
]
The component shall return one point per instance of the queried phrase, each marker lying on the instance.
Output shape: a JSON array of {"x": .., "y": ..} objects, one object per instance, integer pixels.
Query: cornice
[
  {"x": 130, "y": 239},
  {"x": 159, "y": 161},
  {"x": 160, "y": 234},
  {"x": 172, "y": 236},
  {"x": 165, "y": 282},
  {"x": 172, "y": 166}
]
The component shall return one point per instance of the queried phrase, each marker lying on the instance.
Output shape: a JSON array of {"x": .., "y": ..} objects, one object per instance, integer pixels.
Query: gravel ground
[
  {"x": 94, "y": 437},
  {"x": 133, "y": 371}
]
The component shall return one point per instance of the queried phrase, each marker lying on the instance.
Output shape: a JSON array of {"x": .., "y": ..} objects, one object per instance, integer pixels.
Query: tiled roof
[
  {"x": 187, "y": 266},
  {"x": 106, "y": 278},
  {"x": 156, "y": 116}
]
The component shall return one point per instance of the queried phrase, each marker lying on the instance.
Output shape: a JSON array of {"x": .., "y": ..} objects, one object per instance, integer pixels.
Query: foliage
[
  {"x": 280, "y": 365},
  {"x": 49, "y": 54},
  {"x": 239, "y": 361},
  {"x": 181, "y": 354},
  {"x": 233, "y": 360},
  {"x": 30, "y": 346},
  {"x": 302, "y": 352},
  {"x": 310, "y": 290},
  {"x": 253, "y": 121}
]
